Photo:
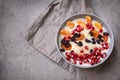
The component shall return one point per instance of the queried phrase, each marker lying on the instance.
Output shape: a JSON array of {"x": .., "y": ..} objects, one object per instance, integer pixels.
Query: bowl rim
[{"x": 112, "y": 42}]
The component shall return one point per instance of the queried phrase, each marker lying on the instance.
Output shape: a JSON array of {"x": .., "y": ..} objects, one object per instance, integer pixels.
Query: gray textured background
[{"x": 18, "y": 60}]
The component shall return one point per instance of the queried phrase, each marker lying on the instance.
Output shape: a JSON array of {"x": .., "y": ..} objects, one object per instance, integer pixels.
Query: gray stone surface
[{"x": 18, "y": 60}]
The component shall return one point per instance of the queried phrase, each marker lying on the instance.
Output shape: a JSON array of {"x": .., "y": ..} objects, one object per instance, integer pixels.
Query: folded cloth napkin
[{"x": 42, "y": 33}]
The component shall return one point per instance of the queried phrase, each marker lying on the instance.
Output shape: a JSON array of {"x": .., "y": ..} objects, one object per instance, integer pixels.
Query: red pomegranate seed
[
  {"x": 80, "y": 62},
  {"x": 69, "y": 37},
  {"x": 101, "y": 30},
  {"x": 81, "y": 51},
  {"x": 74, "y": 62},
  {"x": 79, "y": 28},
  {"x": 66, "y": 53},
  {"x": 92, "y": 62},
  {"x": 86, "y": 48},
  {"x": 85, "y": 61},
  {"x": 68, "y": 57},
  {"x": 92, "y": 28},
  {"x": 65, "y": 38},
  {"x": 103, "y": 55}
]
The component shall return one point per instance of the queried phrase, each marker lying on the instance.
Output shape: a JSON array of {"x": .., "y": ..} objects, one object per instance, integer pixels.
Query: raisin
[
  {"x": 73, "y": 39},
  {"x": 105, "y": 34},
  {"x": 99, "y": 36},
  {"x": 91, "y": 33},
  {"x": 87, "y": 40},
  {"x": 76, "y": 35},
  {"x": 80, "y": 43},
  {"x": 62, "y": 50}
]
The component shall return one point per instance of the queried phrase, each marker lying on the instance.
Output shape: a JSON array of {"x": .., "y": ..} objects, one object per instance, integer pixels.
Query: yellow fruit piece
[
  {"x": 98, "y": 25},
  {"x": 81, "y": 23},
  {"x": 105, "y": 38},
  {"x": 64, "y": 32},
  {"x": 88, "y": 19},
  {"x": 70, "y": 24}
]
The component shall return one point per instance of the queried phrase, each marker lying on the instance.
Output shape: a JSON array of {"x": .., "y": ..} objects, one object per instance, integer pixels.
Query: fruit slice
[
  {"x": 95, "y": 34},
  {"x": 88, "y": 19},
  {"x": 105, "y": 38},
  {"x": 81, "y": 23},
  {"x": 82, "y": 36},
  {"x": 98, "y": 25},
  {"x": 70, "y": 24},
  {"x": 64, "y": 32},
  {"x": 66, "y": 48}
]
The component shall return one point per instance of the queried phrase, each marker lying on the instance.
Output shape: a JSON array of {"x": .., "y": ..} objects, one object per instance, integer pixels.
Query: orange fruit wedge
[
  {"x": 88, "y": 19},
  {"x": 63, "y": 46},
  {"x": 70, "y": 24},
  {"x": 98, "y": 25},
  {"x": 82, "y": 36}
]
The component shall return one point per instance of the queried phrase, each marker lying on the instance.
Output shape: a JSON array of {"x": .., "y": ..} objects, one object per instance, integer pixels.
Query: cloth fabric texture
[{"x": 42, "y": 33}]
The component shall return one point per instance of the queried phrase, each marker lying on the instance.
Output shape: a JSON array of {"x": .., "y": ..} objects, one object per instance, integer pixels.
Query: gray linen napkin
[{"x": 42, "y": 32}]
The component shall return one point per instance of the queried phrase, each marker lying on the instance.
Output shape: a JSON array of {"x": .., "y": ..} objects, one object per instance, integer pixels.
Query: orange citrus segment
[
  {"x": 88, "y": 19},
  {"x": 70, "y": 24},
  {"x": 82, "y": 36},
  {"x": 98, "y": 25},
  {"x": 65, "y": 48}
]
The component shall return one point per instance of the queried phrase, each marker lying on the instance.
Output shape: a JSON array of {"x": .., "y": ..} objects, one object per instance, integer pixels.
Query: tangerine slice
[
  {"x": 64, "y": 32},
  {"x": 88, "y": 19},
  {"x": 95, "y": 33},
  {"x": 98, "y": 25},
  {"x": 63, "y": 46},
  {"x": 82, "y": 36},
  {"x": 105, "y": 38},
  {"x": 70, "y": 24}
]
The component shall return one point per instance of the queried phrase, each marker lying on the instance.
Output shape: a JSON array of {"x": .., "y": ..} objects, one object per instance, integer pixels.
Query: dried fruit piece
[
  {"x": 95, "y": 34},
  {"x": 66, "y": 48},
  {"x": 98, "y": 25},
  {"x": 80, "y": 43},
  {"x": 81, "y": 37},
  {"x": 64, "y": 32},
  {"x": 81, "y": 23},
  {"x": 88, "y": 19},
  {"x": 105, "y": 38},
  {"x": 70, "y": 24}
]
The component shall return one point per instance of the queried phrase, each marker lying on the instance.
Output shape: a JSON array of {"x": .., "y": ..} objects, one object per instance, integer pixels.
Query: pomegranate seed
[
  {"x": 103, "y": 55},
  {"x": 86, "y": 48},
  {"x": 69, "y": 37},
  {"x": 74, "y": 62},
  {"x": 92, "y": 62},
  {"x": 101, "y": 30},
  {"x": 79, "y": 28},
  {"x": 68, "y": 57},
  {"x": 92, "y": 28},
  {"x": 72, "y": 52},
  {"x": 81, "y": 51},
  {"x": 65, "y": 38},
  {"x": 80, "y": 62},
  {"x": 66, "y": 53},
  {"x": 85, "y": 60}
]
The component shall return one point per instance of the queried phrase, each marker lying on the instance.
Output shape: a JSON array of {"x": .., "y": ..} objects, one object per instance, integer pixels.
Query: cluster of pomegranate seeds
[
  {"x": 89, "y": 58},
  {"x": 90, "y": 26}
]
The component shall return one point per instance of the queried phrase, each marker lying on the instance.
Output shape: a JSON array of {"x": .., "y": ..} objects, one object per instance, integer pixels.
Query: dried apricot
[
  {"x": 66, "y": 48},
  {"x": 88, "y": 19},
  {"x": 82, "y": 36},
  {"x": 81, "y": 23},
  {"x": 70, "y": 24},
  {"x": 105, "y": 38},
  {"x": 64, "y": 32},
  {"x": 98, "y": 25},
  {"x": 95, "y": 33}
]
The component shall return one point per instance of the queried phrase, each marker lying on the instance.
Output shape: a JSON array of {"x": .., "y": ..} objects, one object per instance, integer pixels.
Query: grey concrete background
[{"x": 18, "y": 60}]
